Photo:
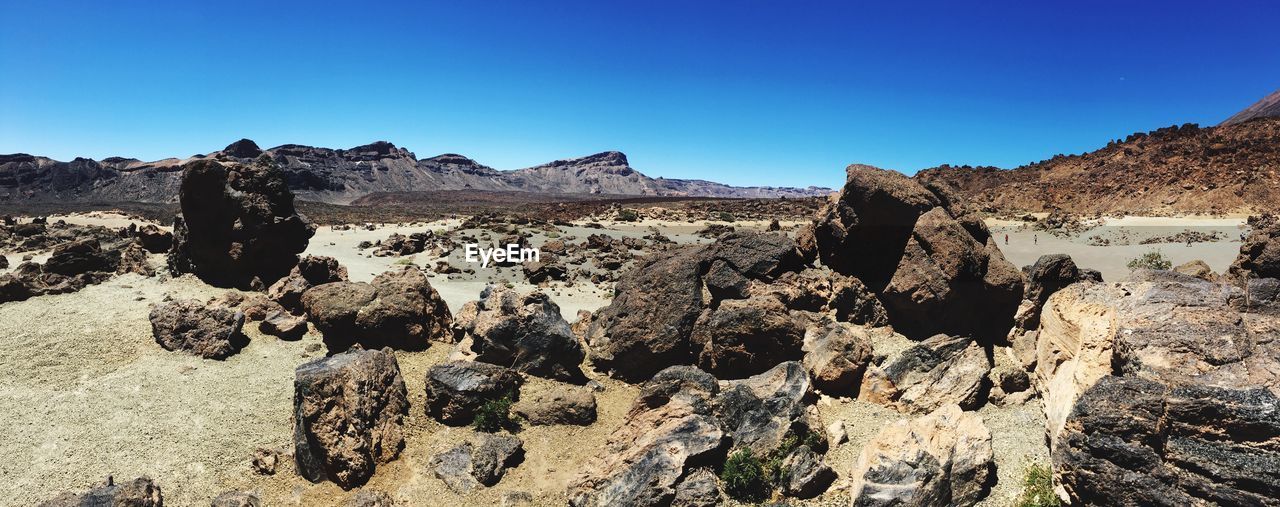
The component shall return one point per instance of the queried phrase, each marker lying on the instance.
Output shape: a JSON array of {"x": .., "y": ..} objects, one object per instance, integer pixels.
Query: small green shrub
[
  {"x": 725, "y": 216},
  {"x": 628, "y": 215},
  {"x": 1037, "y": 489},
  {"x": 404, "y": 261},
  {"x": 493, "y": 415},
  {"x": 1150, "y": 260},
  {"x": 743, "y": 477}
]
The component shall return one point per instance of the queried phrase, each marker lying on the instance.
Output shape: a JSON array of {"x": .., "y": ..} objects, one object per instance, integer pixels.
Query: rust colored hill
[{"x": 1184, "y": 169}]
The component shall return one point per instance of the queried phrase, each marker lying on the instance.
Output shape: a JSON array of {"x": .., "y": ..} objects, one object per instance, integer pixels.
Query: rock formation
[
  {"x": 238, "y": 226},
  {"x": 934, "y": 267},
  {"x": 943, "y": 458},
  {"x": 455, "y": 389}
]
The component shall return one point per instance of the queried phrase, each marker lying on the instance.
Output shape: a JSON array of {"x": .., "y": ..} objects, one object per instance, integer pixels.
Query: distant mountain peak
[
  {"x": 243, "y": 148},
  {"x": 1269, "y": 106}
]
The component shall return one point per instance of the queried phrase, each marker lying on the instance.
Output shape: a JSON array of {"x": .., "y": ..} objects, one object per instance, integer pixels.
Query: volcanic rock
[
  {"x": 398, "y": 309},
  {"x": 563, "y": 405},
  {"x": 940, "y": 371},
  {"x": 81, "y": 256},
  {"x": 836, "y": 356},
  {"x": 236, "y": 498},
  {"x": 140, "y": 492},
  {"x": 759, "y": 412},
  {"x": 455, "y": 389},
  {"x": 943, "y": 458},
  {"x": 238, "y": 224},
  {"x": 208, "y": 331},
  {"x": 349, "y": 412},
  {"x": 805, "y": 475},
  {"x": 283, "y": 325},
  {"x": 843, "y": 298},
  {"x": 469, "y": 466},
  {"x": 667, "y": 430},
  {"x": 523, "y": 331},
  {"x": 743, "y": 337}
]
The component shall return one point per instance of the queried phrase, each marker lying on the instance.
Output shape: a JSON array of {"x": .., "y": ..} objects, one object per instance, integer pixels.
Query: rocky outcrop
[
  {"x": 943, "y": 458},
  {"x": 836, "y": 356},
  {"x": 154, "y": 239},
  {"x": 140, "y": 492},
  {"x": 668, "y": 429},
  {"x": 348, "y": 418},
  {"x": 133, "y": 259},
  {"x": 934, "y": 267},
  {"x": 943, "y": 370},
  {"x": 1149, "y": 385},
  {"x": 238, "y": 225},
  {"x": 522, "y": 331},
  {"x": 211, "y": 331},
  {"x": 455, "y": 389},
  {"x": 482, "y": 464},
  {"x": 804, "y": 474},
  {"x": 79, "y": 257},
  {"x": 399, "y": 309}
]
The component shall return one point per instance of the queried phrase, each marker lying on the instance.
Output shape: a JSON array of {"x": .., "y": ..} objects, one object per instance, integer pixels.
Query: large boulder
[
  {"x": 935, "y": 267},
  {"x": 668, "y": 430},
  {"x": 836, "y": 356},
  {"x": 399, "y": 309},
  {"x": 650, "y": 320},
  {"x": 211, "y": 331},
  {"x": 647, "y": 324},
  {"x": 348, "y": 418},
  {"x": 155, "y": 239},
  {"x": 948, "y": 282},
  {"x": 455, "y": 389},
  {"x": 140, "y": 492},
  {"x": 523, "y": 331},
  {"x": 238, "y": 225},
  {"x": 760, "y": 412},
  {"x": 943, "y": 458},
  {"x": 559, "y": 405},
  {"x": 80, "y": 256},
  {"x": 1161, "y": 389},
  {"x": 942, "y": 370},
  {"x": 743, "y": 337}
]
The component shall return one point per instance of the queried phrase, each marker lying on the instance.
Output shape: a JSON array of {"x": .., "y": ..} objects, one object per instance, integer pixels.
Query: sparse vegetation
[
  {"x": 725, "y": 216},
  {"x": 628, "y": 215},
  {"x": 493, "y": 415},
  {"x": 404, "y": 261},
  {"x": 1037, "y": 489},
  {"x": 1150, "y": 260},
  {"x": 743, "y": 477}
]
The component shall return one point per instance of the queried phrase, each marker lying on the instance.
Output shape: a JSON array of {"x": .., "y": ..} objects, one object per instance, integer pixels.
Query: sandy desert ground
[{"x": 85, "y": 392}]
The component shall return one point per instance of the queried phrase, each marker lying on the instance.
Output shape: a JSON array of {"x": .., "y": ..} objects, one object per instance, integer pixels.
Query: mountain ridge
[{"x": 340, "y": 176}]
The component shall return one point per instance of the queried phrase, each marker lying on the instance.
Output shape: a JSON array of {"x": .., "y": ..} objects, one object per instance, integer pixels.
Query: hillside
[
  {"x": 1268, "y": 107},
  {"x": 344, "y": 175},
  {"x": 1183, "y": 169}
]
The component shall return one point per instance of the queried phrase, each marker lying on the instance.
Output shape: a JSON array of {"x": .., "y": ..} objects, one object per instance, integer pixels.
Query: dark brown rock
[
  {"x": 399, "y": 309},
  {"x": 836, "y": 356},
  {"x": 455, "y": 389},
  {"x": 743, "y": 337},
  {"x": 140, "y": 492},
  {"x": 349, "y": 412},
  {"x": 208, "y": 331}
]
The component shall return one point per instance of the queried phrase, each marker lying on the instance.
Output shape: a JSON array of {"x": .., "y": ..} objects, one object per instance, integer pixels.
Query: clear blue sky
[{"x": 745, "y": 92}]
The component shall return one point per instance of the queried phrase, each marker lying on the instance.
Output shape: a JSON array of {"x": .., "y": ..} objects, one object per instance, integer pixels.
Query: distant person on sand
[
  {"x": 1006, "y": 239},
  {"x": 1035, "y": 238}
]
